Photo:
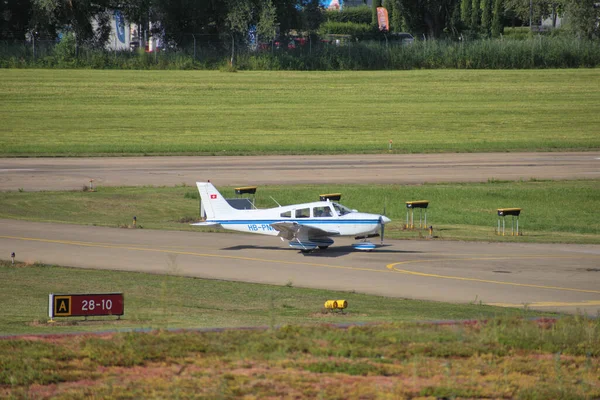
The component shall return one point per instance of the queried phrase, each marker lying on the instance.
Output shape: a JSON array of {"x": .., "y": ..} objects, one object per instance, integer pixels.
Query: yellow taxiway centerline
[
  {"x": 547, "y": 304},
  {"x": 389, "y": 267},
  {"x": 187, "y": 253},
  {"x": 392, "y": 267}
]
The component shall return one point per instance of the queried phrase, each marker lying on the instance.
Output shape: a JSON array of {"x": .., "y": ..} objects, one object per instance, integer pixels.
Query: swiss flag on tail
[{"x": 213, "y": 196}]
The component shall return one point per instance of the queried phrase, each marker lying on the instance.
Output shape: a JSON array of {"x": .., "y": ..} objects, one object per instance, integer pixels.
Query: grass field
[
  {"x": 294, "y": 353},
  {"x": 84, "y": 112},
  {"x": 161, "y": 302},
  {"x": 553, "y": 211},
  {"x": 501, "y": 359}
]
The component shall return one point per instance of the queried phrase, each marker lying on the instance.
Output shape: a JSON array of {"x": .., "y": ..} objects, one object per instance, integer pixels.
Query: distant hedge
[
  {"x": 345, "y": 28},
  {"x": 536, "y": 52},
  {"x": 357, "y": 15}
]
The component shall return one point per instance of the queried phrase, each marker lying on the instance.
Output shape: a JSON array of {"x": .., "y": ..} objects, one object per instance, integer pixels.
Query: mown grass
[
  {"x": 83, "y": 112},
  {"x": 160, "y": 302},
  {"x": 503, "y": 358},
  {"x": 553, "y": 211}
]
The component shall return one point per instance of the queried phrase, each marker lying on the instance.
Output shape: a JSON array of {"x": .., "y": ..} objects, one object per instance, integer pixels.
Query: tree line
[
  {"x": 487, "y": 18},
  {"x": 230, "y": 20}
]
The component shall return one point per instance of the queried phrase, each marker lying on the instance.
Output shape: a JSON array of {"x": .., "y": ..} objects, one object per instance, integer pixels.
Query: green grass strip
[
  {"x": 553, "y": 211},
  {"x": 160, "y": 302},
  {"x": 86, "y": 112}
]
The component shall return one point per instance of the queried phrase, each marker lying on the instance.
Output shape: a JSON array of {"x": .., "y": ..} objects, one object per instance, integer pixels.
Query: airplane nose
[{"x": 384, "y": 220}]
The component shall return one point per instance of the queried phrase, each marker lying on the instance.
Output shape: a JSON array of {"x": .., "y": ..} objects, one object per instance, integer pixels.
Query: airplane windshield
[{"x": 340, "y": 209}]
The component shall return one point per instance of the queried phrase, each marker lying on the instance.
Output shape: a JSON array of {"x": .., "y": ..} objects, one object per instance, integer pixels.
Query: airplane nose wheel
[{"x": 365, "y": 245}]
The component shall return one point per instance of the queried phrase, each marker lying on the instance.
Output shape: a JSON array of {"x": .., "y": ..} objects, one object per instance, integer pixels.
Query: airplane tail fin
[{"x": 215, "y": 205}]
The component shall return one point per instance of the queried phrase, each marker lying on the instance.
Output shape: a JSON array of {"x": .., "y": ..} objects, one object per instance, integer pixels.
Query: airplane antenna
[{"x": 275, "y": 201}]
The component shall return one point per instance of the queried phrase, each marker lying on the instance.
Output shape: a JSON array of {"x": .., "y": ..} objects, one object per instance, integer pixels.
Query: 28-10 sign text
[{"x": 84, "y": 305}]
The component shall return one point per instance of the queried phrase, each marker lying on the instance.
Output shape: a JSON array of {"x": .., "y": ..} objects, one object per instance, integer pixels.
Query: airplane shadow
[
  {"x": 249, "y": 247},
  {"x": 339, "y": 251},
  {"x": 332, "y": 252}
]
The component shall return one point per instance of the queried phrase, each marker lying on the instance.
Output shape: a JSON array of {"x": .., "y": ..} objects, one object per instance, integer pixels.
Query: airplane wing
[{"x": 291, "y": 230}]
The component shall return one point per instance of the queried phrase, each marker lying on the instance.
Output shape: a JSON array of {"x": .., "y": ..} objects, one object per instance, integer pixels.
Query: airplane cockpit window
[
  {"x": 303, "y": 213},
  {"x": 287, "y": 214},
  {"x": 340, "y": 209},
  {"x": 321, "y": 212}
]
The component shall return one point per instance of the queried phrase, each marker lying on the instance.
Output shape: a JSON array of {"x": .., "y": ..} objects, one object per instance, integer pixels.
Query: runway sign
[{"x": 84, "y": 305}]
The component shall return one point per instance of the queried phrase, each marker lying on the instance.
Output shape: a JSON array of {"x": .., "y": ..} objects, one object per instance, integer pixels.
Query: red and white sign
[
  {"x": 83, "y": 305},
  {"x": 213, "y": 196}
]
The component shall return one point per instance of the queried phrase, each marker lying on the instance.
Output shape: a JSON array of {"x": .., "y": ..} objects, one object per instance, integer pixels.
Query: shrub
[
  {"x": 357, "y": 15},
  {"x": 345, "y": 28},
  {"x": 65, "y": 50}
]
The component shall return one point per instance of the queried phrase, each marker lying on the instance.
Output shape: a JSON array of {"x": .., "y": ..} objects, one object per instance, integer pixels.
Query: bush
[
  {"x": 345, "y": 28},
  {"x": 357, "y": 15},
  {"x": 65, "y": 50}
]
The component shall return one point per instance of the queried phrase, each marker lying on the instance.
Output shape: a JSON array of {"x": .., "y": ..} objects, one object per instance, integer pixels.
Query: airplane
[{"x": 306, "y": 226}]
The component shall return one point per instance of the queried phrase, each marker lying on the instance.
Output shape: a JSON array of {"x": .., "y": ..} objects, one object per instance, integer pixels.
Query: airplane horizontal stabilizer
[{"x": 205, "y": 224}]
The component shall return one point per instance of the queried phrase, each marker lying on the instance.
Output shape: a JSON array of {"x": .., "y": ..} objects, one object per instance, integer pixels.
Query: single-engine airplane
[{"x": 306, "y": 226}]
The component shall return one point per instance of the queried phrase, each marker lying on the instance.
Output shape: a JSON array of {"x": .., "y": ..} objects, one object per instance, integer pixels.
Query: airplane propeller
[{"x": 382, "y": 221}]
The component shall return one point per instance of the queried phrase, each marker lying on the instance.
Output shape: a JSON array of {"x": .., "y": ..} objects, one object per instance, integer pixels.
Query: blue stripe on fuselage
[{"x": 302, "y": 221}]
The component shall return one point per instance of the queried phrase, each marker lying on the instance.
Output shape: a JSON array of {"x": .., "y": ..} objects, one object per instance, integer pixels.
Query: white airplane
[{"x": 306, "y": 226}]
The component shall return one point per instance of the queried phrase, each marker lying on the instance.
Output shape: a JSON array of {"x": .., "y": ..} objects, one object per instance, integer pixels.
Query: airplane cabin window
[
  {"x": 341, "y": 210},
  {"x": 287, "y": 214},
  {"x": 303, "y": 213},
  {"x": 321, "y": 212}
]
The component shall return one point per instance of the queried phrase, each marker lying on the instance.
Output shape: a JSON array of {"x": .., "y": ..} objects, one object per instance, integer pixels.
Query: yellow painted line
[
  {"x": 392, "y": 267},
  {"x": 187, "y": 253},
  {"x": 433, "y": 260},
  {"x": 547, "y": 304}
]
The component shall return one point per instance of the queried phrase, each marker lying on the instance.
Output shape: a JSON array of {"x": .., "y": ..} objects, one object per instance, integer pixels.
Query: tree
[
  {"x": 431, "y": 17},
  {"x": 289, "y": 15},
  {"x": 475, "y": 14},
  {"x": 396, "y": 17},
  {"x": 182, "y": 20},
  {"x": 312, "y": 17},
  {"x": 497, "y": 18},
  {"x": 583, "y": 17},
  {"x": 389, "y": 6},
  {"x": 77, "y": 16},
  {"x": 14, "y": 18},
  {"x": 238, "y": 20},
  {"x": 266, "y": 27},
  {"x": 465, "y": 11},
  {"x": 486, "y": 16},
  {"x": 374, "y": 5},
  {"x": 536, "y": 9}
]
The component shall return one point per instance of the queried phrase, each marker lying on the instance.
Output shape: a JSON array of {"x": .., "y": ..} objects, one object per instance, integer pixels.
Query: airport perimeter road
[
  {"x": 73, "y": 173},
  {"x": 546, "y": 277}
]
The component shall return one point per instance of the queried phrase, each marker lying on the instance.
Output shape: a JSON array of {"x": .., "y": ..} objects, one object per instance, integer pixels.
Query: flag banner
[{"x": 382, "y": 19}]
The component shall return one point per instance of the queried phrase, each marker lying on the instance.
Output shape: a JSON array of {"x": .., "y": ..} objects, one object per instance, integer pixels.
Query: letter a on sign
[{"x": 62, "y": 306}]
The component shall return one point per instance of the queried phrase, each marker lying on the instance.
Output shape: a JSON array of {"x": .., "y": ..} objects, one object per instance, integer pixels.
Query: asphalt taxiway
[
  {"x": 552, "y": 277},
  {"x": 73, "y": 173},
  {"x": 548, "y": 277}
]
